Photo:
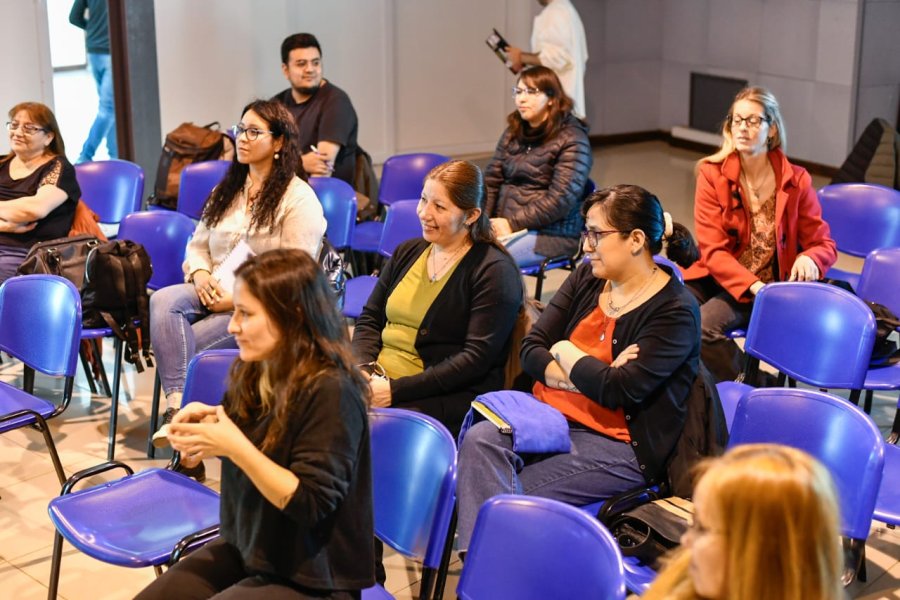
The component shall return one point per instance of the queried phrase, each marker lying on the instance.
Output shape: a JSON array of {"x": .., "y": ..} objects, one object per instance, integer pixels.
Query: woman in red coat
[{"x": 757, "y": 220}]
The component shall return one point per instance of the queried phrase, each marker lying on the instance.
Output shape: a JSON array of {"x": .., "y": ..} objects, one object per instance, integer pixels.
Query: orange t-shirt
[{"x": 575, "y": 406}]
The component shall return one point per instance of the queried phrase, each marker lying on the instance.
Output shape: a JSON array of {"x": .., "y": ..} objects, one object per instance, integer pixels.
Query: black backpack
[{"x": 112, "y": 278}]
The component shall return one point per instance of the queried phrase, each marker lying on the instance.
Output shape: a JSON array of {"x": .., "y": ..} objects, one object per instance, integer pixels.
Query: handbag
[
  {"x": 332, "y": 264},
  {"x": 651, "y": 530},
  {"x": 535, "y": 427}
]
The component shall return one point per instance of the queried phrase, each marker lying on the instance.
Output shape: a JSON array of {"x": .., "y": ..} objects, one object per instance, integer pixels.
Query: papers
[
  {"x": 224, "y": 273},
  {"x": 511, "y": 237}
]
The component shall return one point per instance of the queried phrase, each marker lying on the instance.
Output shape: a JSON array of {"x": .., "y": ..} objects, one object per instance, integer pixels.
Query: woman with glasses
[
  {"x": 537, "y": 177},
  {"x": 38, "y": 189},
  {"x": 292, "y": 432},
  {"x": 435, "y": 332},
  {"x": 757, "y": 220},
  {"x": 765, "y": 526},
  {"x": 616, "y": 351},
  {"x": 261, "y": 204}
]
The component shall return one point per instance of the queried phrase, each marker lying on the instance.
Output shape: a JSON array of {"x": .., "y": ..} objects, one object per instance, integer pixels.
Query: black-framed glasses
[
  {"x": 27, "y": 128},
  {"x": 252, "y": 132},
  {"x": 593, "y": 238},
  {"x": 753, "y": 121},
  {"x": 530, "y": 91}
]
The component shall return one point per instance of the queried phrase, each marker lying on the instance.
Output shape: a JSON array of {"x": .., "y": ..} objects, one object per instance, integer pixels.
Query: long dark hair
[
  {"x": 313, "y": 340},
  {"x": 630, "y": 207},
  {"x": 282, "y": 125},
  {"x": 44, "y": 118},
  {"x": 560, "y": 106}
]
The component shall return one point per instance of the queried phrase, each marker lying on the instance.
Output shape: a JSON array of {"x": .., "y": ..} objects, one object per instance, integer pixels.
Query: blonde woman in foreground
[{"x": 765, "y": 526}]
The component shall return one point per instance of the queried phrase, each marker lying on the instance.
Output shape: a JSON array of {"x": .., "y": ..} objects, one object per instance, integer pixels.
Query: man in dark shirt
[{"x": 323, "y": 111}]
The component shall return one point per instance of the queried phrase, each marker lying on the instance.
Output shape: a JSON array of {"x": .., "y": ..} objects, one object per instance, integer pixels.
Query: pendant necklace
[
  {"x": 449, "y": 261},
  {"x": 615, "y": 310}
]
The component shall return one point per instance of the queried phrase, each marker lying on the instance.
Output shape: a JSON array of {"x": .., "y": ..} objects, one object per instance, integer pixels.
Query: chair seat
[
  {"x": 357, "y": 294},
  {"x": 137, "y": 520},
  {"x": 887, "y": 506},
  {"x": 735, "y": 334},
  {"x": 730, "y": 393},
  {"x": 535, "y": 269},
  {"x": 848, "y": 276},
  {"x": 12, "y": 399},
  {"x": 367, "y": 236},
  {"x": 97, "y": 332},
  {"x": 376, "y": 593},
  {"x": 884, "y": 378},
  {"x": 638, "y": 576}
]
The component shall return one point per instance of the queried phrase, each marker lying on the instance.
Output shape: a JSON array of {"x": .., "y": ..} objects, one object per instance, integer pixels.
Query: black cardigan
[
  {"x": 323, "y": 537},
  {"x": 464, "y": 338},
  {"x": 653, "y": 388}
]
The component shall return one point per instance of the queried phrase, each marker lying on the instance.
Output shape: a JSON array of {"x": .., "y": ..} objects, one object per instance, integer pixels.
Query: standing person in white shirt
[{"x": 558, "y": 42}]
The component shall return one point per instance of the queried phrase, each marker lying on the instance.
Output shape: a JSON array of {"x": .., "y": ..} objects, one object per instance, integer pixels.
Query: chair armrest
[
  {"x": 91, "y": 471},
  {"x": 192, "y": 541}
]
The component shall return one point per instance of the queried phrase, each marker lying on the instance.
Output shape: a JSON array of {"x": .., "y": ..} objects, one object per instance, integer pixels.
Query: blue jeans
[
  {"x": 597, "y": 467},
  {"x": 104, "y": 125},
  {"x": 180, "y": 327},
  {"x": 522, "y": 250},
  {"x": 10, "y": 259}
]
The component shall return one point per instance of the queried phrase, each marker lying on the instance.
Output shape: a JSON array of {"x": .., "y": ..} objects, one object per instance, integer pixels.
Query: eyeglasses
[
  {"x": 374, "y": 369},
  {"x": 753, "y": 121},
  {"x": 593, "y": 238},
  {"x": 252, "y": 132},
  {"x": 517, "y": 91},
  {"x": 27, "y": 128}
]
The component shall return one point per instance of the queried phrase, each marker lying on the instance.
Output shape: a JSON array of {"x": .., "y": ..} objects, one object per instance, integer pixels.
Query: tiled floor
[{"x": 27, "y": 480}]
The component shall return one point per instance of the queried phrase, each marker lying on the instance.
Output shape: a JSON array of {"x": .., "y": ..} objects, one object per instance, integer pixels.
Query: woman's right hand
[
  {"x": 629, "y": 353},
  {"x": 13, "y": 227}
]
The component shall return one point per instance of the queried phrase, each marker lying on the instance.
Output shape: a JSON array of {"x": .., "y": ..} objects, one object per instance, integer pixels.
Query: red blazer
[{"x": 721, "y": 220}]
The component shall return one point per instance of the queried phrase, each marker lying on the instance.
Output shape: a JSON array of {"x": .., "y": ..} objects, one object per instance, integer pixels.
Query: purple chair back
[
  {"x": 164, "y": 235},
  {"x": 402, "y": 175},
  {"x": 207, "y": 377},
  {"x": 880, "y": 280},
  {"x": 196, "y": 183},
  {"x": 338, "y": 201},
  {"x": 401, "y": 224},
  {"x": 665, "y": 262},
  {"x": 862, "y": 216},
  {"x": 111, "y": 188}
]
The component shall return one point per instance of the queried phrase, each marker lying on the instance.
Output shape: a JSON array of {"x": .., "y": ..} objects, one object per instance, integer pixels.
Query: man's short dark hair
[{"x": 298, "y": 40}]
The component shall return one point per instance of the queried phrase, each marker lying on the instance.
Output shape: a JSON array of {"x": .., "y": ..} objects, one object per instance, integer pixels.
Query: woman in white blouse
[{"x": 260, "y": 205}]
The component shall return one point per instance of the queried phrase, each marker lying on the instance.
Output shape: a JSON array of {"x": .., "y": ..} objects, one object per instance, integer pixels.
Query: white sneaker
[{"x": 161, "y": 437}]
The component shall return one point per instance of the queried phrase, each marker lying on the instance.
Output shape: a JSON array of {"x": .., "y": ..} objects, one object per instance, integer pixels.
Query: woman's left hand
[
  {"x": 215, "y": 435},
  {"x": 381, "y": 392},
  {"x": 13, "y": 227},
  {"x": 566, "y": 354},
  {"x": 629, "y": 353},
  {"x": 804, "y": 269}
]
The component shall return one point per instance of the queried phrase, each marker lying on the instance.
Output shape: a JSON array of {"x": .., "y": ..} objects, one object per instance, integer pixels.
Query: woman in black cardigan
[
  {"x": 436, "y": 330},
  {"x": 616, "y": 352}
]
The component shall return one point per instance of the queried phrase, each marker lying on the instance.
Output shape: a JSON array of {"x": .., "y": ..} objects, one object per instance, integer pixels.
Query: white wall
[
  {"x": 879, "y": 64},
  {"x": 25, "y": 69}
]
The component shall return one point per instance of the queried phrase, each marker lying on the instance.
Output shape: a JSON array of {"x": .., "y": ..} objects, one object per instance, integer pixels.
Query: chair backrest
[
  {"x": 196, "y": 183},
  {"x": 338, "y": 199},
  {"x": 880, "y": 279},
  {"x": 402, "y": 223},
  {"x": 832, "y": 430},
  {"x": 111, "y": 188},
  {"x": 676, "y": 272},
  {"x": 414, "y": 482},
  {"x": 402, "y": 175},
  {"x": 207, "y": 376},
  {"x": 526, "y": 547},
  {"x": 816, "y": 333},
  {"x": 862, "y": 216},
  {"x": 164, "y": 235},
  {"x": 40, "y": 322}
]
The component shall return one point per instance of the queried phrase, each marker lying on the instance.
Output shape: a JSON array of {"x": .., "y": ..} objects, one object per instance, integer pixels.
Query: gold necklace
[
  {"x": 615, "y": 310},
  {"x": 449, "y": 261}
]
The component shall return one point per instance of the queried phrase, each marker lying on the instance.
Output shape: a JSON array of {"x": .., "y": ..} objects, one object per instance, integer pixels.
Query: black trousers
[{"x": 217, "y": 571}]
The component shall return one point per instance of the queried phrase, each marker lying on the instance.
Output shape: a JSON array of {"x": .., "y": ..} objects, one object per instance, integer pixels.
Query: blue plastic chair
[
  {"x": 555, "y": 262},
  {"x": 402, "y": 177},
  {"x": 815, "y": 333},
  {"x": 863, "y": 217},
  {"x": 40, "y": 324},
  {"x": 206, "y": 382},
  {"x": 402, "y": 224},
  {"x": 197, "y": 183},
  {"x": 111, "y": 188},
  {"x": 414, "y": 490},
  {"x": 887, "y": 505},
  {"x": 531, "y": 548},
  {"x": 665, "y": 262},
  {"x": 164, "y": 235},
  {"x": 149, "y": 519},
  {"x": 338, "y": 201},
  {"x": 880, "y": 282},
  {"x": 838, "y": 434}
]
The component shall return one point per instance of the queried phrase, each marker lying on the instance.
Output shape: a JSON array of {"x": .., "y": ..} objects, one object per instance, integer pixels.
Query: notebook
[{"x": 224, "y": 273}]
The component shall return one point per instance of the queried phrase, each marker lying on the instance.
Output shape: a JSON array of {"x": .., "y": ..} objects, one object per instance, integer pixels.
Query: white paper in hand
[{"x": 224, "y": 273}]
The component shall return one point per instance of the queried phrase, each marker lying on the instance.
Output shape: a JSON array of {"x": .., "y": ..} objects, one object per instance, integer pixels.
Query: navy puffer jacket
[{"x": 541, "y": 187}]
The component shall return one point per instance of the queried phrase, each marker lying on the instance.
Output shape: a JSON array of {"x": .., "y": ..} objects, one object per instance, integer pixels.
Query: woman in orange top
[{"x": 616, "y": 351}]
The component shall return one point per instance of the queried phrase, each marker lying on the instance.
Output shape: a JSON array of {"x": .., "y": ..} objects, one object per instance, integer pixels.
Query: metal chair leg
[
  {"x": 867, "y": 404},
  {"x": 99, "y": 355},
  {"x": 88, "y": 373},
  {"x": 114, "y": 403},
  {"x": 55, "y": 561},
  {"x": 440, "y": 581},
  {"x": 54, "y": 455},
  {"x": 154, "y": 416}
]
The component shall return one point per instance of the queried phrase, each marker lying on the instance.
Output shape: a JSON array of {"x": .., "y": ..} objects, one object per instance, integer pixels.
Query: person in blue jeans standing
[{"x": 91, "y": 15}]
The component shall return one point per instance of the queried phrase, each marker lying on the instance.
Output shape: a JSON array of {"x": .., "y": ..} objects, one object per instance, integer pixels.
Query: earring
[{"x": 276, "y": 156}]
